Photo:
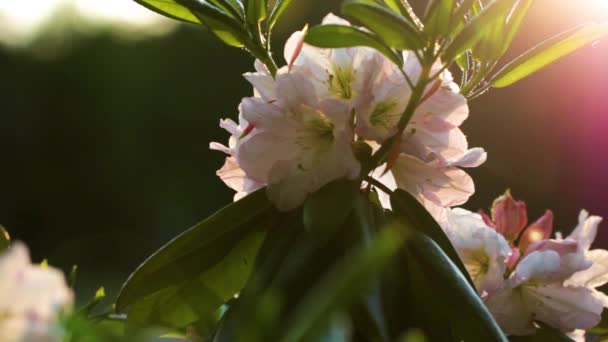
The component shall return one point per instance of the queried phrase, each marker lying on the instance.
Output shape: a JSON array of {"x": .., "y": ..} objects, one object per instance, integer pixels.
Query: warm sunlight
[{"x": 21, "y": 22}]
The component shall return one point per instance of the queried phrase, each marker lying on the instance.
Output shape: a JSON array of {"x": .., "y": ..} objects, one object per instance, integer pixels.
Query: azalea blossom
[
  {"x": 432, "y": 149},
  {"x": 31, "y": 298},
  {"x": 482, "y": 249},
  {"x": 296, "y": 133},
  {"x": 294, "y": 144},
  {"x": 546, "y": 280}
]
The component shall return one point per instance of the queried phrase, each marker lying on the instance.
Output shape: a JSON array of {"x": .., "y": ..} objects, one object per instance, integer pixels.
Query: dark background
[{"x": 104, "y": 146}]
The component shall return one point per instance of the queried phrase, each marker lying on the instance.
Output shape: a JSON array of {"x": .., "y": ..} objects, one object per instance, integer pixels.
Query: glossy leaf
[
  {"x": 478, "y": 27},
  {"x": 170, "y": 8},
  {"x": 255, "y": 10},
  {"x": 232, "y": 7},
  {"x": 548, "y": 52},
  {"x": 340, "y": 36},
  {"x": 279, "y": 7},
  {"x": 326, "y": 210},
  {"x": 419, "y": 218},
  {"x": 439, "y": 18},
  {"x": 224, "y": 26},
  {"x": 392, "y": 28},
  {"x": 200, "y": 295},
  {"x": 406, "y": 10},
  {"x": 344, "y": 283},
  {"x": 199, "y": 249},
  {"x": 446, "y": 287}
]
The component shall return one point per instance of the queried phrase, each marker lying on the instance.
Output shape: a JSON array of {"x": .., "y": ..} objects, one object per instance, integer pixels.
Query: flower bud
[
  {"x": 509, "y": 216},
  {"x": 537, "y": 231}
]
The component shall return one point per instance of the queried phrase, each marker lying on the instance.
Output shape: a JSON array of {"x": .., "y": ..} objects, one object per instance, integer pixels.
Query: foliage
[{"x": 339, "y": 267}]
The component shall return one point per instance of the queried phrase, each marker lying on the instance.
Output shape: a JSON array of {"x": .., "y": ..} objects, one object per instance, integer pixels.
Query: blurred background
[{"x": 107, "y": 111}]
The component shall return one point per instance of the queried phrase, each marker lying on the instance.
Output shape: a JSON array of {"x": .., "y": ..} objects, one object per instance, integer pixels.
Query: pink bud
[
  {"x": 513, "y": 257},
  {"x": 509, "y": 216},
  {"x": 537, "y": 231},
  {"x": 298, "y": 49},
  {"x": 562, "y": 247}
]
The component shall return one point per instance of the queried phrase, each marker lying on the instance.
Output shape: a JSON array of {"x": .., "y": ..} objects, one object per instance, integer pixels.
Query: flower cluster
[
  {"x": 524, "y": 275},
  {"x": 31, "y": 298},
  {"x": 296, "y": 133}
]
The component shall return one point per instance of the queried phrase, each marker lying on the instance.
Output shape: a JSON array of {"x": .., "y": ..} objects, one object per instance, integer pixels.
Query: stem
[
  {"x": 259, "y": 47},
  {"x": 378, "y": 184}
]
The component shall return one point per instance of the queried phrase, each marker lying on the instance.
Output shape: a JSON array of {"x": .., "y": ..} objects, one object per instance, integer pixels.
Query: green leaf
[
  {"x": 340, "y": 36},
  {"x": 5, "y": 238},
  {"x": 406, "y": 10},
  {"x": 326, "y": 210},
  {"x": 439, "y": 19},
  {"x": 548, "y": 52},
  {"x": 256, "y": 10},
  {"x": 200, "y": 296},
  {"x": 477, "y": 28},
  {"x": 392, "y": 28},
  {"x": 341, "y": 285},
  {"x": 518, "y": 14},
  {"x": 223, "y": 25},
  {"x": 369, "y": 317},
  {"x": 215, "y": 256},
  {"x": 170, "y": 8},
  {"x": 279, "y": 7},
  {"x": 441, "y": 284},
  {"x": 232, "y": 7},
  {"x": 409, "y": 209}
]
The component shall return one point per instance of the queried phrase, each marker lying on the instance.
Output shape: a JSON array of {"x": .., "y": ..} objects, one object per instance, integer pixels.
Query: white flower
[
  {"x": 483, "y": 251},
  {"x": 555, "y": 281},
  {"x": 343, "y": 74},
  {"x": 534, "y": 292},
  {"x": 31, "y": 298},
  {"x": 432, "y": 148},
  {"x": 295, "y": 134},
  {"x": 294, "y": 144}
]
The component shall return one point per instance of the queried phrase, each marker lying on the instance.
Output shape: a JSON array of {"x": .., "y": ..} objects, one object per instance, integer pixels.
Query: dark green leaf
[
  {"x": 279, "y": 7},
  {"x": 326, "y": 210},
  {"x": 478, "y": 27},
  {"x": 409, "y": 209},
  {"x": 5, "y": 239},
  {"x": 215, "y": 255},
  {"x": 548, "y": 52},
  {"x": 339, "y": 36},
  {"x": 394, "y": 29},
  {"x": 341, "y": 285},
  {"x": 224, "y": 26},
  {"x": 199, "y": 297},
  {"x": 256, "y": 10},
  {"x": 445, "y": 286},
  {"x": 232, "y": 7},
  {"x": 368, "y": 317}
]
